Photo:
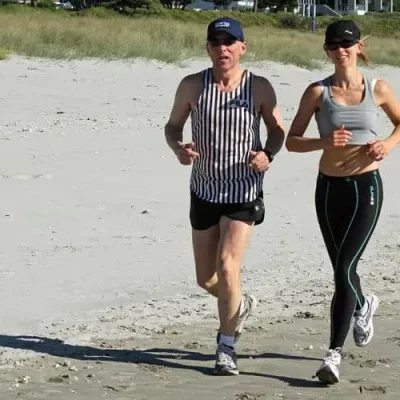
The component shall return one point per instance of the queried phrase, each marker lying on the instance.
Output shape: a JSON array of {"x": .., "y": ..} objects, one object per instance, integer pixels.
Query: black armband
[{"x": 269, "y": 155}]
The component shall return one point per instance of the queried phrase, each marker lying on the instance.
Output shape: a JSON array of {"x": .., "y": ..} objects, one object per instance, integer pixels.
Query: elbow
[
  {"x": 168, "y": 130},
  {"x": 289, "y": 144},
  {"x": 293, "y": 142},
  {"x": 167, "y": 127}
]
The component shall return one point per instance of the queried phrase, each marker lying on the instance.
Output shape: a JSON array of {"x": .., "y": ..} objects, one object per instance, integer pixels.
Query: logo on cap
[
  {"x": 349, "y": 32},
  {"x": 223, "y": 24}
]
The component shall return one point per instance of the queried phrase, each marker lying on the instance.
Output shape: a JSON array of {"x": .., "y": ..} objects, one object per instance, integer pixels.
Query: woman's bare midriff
[{"x": 345, "y": 161}]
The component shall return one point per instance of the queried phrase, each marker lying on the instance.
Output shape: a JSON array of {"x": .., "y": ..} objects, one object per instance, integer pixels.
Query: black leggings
[{"x": 348, "y": 209}]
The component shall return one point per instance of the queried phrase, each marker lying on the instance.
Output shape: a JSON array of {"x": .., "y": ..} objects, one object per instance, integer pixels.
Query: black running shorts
[{"x": 204, "y": 214}]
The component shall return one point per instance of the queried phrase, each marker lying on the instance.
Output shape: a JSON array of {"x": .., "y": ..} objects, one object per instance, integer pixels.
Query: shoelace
[
  {"x": 360, "y": 324},
  {"x": 330, "y": 361},
  {"x": 337, "y": 350},
  {"x": 225, "y": 355},
  {"x": 332, "y": 357}
]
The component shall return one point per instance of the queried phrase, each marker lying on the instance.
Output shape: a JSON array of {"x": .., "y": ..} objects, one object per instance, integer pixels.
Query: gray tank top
[{"x": 361, "y": 119}]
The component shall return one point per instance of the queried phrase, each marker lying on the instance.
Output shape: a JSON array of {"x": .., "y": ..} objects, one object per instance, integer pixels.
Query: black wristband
[{"x": 269, "y": 155}]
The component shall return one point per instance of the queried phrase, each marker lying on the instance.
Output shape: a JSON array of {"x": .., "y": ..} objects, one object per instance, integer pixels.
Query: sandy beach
[{"x": 97, "y": 284}]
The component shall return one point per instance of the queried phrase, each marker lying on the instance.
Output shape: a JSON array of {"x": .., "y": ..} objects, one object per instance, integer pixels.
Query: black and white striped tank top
[{"x": 225, "y": 128}]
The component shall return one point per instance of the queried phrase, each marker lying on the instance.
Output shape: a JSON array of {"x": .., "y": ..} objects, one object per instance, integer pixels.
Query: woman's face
[{"x": 343, "y": 52}]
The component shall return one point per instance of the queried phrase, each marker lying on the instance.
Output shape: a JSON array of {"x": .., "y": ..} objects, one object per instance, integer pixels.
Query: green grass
[
  {"x": 175, "y": 36},
  {"x": 3, "y": 54}
]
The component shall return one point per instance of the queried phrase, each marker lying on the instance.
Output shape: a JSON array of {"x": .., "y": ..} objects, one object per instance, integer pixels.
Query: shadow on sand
[{"x": 163, "y": 357}]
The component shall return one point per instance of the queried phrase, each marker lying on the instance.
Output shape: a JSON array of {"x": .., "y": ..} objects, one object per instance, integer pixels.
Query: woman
[{"x": 348, "y": 196}]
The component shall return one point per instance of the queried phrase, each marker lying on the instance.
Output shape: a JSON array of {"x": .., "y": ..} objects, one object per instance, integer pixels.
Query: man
[{"x": 229, "y": 161}]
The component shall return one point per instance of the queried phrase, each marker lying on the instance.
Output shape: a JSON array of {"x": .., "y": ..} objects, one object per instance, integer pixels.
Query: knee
[
  {"x": 206, "y": 283},
  {"x": 341, "y": 278},
  {"x": 345, "y": 278},
  {"x": 228, "y": 270}
]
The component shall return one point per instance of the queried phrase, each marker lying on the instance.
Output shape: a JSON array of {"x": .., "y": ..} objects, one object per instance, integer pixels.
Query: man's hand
[
  {"x": 185, "y": 153},
  {"x": 259, "y": 161}
]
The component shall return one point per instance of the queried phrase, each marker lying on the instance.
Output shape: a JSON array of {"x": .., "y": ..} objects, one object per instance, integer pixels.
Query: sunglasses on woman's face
[
  {"x": 228, "y": 41},
  {"x": 344, "y": 44}
]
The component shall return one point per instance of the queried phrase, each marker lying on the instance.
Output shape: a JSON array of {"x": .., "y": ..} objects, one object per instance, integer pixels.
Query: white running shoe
[
  {"x": 363, "y": 330},
  {"x": 226, "y": 361},
  {"x": 328, "y": 372},
  {"x": 247, "y": 306}
]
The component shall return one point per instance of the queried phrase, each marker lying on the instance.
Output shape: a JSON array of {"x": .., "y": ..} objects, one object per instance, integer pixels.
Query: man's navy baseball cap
[{"x": 228, "y": 25}]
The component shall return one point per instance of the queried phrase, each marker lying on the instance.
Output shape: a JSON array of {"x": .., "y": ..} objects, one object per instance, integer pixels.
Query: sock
[{"x": 227, "y": 340}]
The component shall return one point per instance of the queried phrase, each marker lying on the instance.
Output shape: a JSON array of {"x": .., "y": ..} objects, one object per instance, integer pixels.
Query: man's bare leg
[
  {"x": 233, "y": 242},
  {"x": 205, "y": 248},
  {"x": 234, "y": 238}
]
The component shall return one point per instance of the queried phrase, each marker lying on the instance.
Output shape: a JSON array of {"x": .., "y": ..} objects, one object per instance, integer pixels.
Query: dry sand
[{"x": 97, "y": 285}]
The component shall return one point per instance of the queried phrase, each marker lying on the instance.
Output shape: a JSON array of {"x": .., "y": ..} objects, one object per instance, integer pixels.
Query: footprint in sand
[
  {"x": 372, "y": 388},
  {"x": 46, "y": 176},
  {"x": 249, "y": 396},
  {"x": 395, "y": 339}
]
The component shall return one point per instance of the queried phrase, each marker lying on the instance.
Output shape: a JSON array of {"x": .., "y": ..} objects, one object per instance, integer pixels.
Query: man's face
[{"x": 225, "y": 51}]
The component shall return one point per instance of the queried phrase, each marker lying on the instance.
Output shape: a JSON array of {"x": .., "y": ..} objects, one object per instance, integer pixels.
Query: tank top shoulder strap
[
  {"x": 243, "y": 81},
  {"x": 248, "y": 77},
  {"x": 373, "y": 83},
  {"x": 207, "y": 77},
  {"x": 325, "y": 88},
  {"x": 369, "y": 87}
]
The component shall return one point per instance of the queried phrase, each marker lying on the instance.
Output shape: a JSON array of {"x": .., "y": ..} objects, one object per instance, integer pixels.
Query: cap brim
[
  {"x": 215, "y": 32},
  {"x": 342, "y": 38}
]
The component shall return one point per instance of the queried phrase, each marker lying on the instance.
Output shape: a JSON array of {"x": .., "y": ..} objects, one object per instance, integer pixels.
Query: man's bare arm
[
  {"x": 271, "y": 115},
  {"x": 180, "y": 112}
]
